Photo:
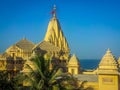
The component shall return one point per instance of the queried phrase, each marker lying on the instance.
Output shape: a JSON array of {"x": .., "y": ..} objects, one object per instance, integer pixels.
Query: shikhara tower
[{"x": 55, "y": 36}]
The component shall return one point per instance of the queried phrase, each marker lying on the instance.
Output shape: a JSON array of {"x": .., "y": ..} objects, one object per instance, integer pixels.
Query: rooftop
[
  {"x": 25, "y": 44},
  {"x": 87, "y": 77},
  {"x": 47, "y": 46}
]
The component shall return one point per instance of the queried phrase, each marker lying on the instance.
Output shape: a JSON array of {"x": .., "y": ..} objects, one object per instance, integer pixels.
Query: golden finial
[
  {"x": 108, "y": 51},
  {"x": 24, "y": 38}
]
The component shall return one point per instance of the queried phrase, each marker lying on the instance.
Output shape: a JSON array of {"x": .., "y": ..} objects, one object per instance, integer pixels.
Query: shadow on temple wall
[
  {"x": 82, "y": 86},
  {"x": 89, "y": 88}
]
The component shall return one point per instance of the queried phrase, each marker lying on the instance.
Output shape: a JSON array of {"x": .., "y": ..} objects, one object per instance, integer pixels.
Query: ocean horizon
[{"x": 89, "y": 63}]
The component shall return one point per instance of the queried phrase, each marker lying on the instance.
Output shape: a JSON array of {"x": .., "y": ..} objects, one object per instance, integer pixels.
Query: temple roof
[
  {"x": 4, "y": 55},
  {"x": 0, "y": 55},
  {"x": 25, "y": 44},
  {"x": 108, "y": 59},
  {"x": 55, "y": 35},
  {"x": 47, "y": 46},
  {"x": 108, "y": 64},
  {"x": 119, "y": 60},
  {"x": 74, "y": 60}
]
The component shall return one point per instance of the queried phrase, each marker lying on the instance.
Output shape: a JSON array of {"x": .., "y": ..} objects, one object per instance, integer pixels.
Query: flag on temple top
[{"x": 53, "y": 12}]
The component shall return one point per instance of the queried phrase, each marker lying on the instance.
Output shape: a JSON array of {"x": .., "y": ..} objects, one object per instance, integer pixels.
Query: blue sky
[{"x": 90, "y": 26}]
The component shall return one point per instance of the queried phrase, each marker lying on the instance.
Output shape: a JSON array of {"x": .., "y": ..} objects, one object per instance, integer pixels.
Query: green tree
[
  {"x": 7, "y": 83},
  {"x": 41, "y": 75}
]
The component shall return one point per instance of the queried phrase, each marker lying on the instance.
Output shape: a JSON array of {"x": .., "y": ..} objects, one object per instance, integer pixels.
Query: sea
[{"x": 89, "y": 64}]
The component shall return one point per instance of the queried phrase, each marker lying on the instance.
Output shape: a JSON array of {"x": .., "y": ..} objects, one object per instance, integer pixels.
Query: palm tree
[
  {"x": 41, "y": 76},
  {"x": 7, "y": 83}
]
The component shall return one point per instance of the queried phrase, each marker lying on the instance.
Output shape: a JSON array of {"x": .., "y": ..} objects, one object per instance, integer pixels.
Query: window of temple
[
  {"x": 72, "y": 71},
  {"x": 13, "y": 54}
]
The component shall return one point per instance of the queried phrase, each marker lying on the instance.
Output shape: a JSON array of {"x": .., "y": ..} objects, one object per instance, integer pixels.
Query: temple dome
[
  {"x": 25, "y": 45},
  {"x": 74, "y": 65},
  {"x": 73, "y": 60}
]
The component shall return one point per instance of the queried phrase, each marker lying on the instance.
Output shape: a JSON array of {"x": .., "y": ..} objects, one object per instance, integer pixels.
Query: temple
[
  {"x": 105, "y": 77},
  {"x": 55, "y": 36}
]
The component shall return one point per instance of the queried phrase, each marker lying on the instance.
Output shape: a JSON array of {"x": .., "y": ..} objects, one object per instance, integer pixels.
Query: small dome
[{"x": 74, "y": 60}]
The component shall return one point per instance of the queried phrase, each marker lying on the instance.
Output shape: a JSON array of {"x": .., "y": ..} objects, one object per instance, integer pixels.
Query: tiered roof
[
  {"x": 108, "y": 59},
  {"x": 108, "y": 63},
  {"x": 47, "y": 46},
  {"x": 25, "y": 45}
]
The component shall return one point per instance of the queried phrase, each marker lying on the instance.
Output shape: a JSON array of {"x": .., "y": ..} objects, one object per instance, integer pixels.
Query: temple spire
[{"x": 55, "y": 34}]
